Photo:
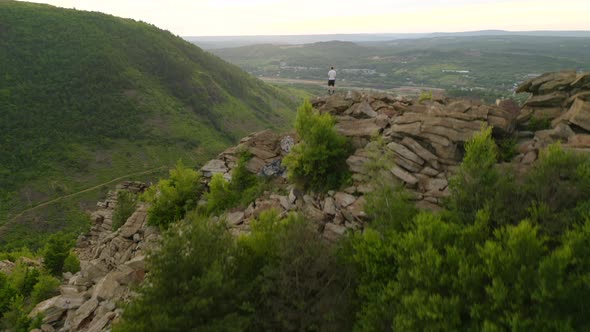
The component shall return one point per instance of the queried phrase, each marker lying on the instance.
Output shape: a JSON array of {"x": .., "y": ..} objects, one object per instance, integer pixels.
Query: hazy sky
[{"x": 272, "y": 17}]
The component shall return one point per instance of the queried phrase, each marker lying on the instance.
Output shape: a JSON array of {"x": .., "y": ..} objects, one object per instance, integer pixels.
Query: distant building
[{"x": 455, "y": 71}]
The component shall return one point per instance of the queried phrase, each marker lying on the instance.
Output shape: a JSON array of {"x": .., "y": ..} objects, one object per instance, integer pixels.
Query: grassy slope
[{"x": 86, "y": 97}]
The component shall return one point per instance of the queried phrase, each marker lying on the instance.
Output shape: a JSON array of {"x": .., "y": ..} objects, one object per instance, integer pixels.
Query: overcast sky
[{"x": 278, "y": 17}]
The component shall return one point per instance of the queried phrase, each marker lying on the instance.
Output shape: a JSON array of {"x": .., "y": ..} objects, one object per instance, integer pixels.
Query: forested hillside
[{"x": 87, "y": 97}]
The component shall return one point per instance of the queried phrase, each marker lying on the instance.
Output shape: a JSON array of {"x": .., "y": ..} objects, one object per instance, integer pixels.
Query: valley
[{"x": 479, "y": 66}]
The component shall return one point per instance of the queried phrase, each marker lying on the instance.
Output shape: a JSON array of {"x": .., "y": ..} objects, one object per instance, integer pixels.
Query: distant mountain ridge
[
  {"x": 87, "y": 97},
  {"x": 211, "y": 42}
]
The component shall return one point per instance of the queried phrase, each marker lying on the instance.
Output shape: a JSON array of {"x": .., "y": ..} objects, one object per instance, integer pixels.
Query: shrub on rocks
[
  {"x": 55, "y": 252},
  {"x": 243, "y": 188},
  {"x": 71, "y": 263},
  {"x": 318, "y": 162},
  {"x": 126, "y": 202},
  {"x": 172, "y": 198}
]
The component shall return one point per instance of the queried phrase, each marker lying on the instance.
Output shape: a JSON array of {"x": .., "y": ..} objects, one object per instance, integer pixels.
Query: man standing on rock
[{"x": 331, "y": 81}]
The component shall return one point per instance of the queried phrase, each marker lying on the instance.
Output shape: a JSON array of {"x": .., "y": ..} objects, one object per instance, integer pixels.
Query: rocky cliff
[
  {"x": 111, "y": 263},
  {"x": 418, "y": 144}
]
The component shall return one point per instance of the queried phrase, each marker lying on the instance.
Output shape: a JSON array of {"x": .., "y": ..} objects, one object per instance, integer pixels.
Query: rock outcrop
[
  {"x": 421, "y": 142},
  {"x": 111, "y": 262},
  {"x": 418, "y": 145},
  {"x": 561, "y": 101}
]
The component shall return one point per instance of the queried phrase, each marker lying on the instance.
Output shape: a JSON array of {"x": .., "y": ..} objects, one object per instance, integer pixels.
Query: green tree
[
  {"x": 281, "y": 277},
  {"x": 191, "y": 285},
  {"x": 55, "y": 252},
  {"x": 23, "y": 278},
  {"x": 7, "y": 292},
  {"x": 318, "y": 161},
  {"x": 172, "y": 198},
  {"x": 557, "y": 189},
  {"x": 45, "y": 288},
  {"x": 301, "y": 285},
  {"x": 71, "y": 263},
  {"x": 16, "y": 318},
  {"x": 243, "y": 188}
]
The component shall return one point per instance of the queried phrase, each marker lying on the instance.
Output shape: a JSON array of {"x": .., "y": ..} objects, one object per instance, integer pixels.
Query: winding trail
[{"x": 78, "y": 193}]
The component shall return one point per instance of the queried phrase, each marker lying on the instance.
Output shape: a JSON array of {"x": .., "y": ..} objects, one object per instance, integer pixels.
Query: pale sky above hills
[{"x": 279, "y": 17}]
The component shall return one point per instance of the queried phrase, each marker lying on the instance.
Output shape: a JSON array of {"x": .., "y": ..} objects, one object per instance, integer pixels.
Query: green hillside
[{"x": 87, "y": 97}]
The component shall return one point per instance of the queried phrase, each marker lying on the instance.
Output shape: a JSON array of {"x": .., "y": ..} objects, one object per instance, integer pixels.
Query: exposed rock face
[
  {"x": 111, "y": 262},
  {"x": 562, "y": 98},
  {"x": 267, "y": 150},
  {"x": 422, "y": 141}
]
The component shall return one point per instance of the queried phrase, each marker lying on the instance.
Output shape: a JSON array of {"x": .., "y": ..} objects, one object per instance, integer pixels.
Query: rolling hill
[{"x": 87, "y": 97}]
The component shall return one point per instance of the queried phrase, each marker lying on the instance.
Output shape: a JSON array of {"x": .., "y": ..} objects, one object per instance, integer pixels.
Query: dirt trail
[{"x": 78, "y": 193}]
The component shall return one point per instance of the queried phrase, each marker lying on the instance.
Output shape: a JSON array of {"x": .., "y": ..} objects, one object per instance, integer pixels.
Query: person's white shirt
[{"x": 332, "y": 75}]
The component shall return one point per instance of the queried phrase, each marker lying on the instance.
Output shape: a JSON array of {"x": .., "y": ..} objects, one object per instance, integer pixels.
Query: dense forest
[{"x": 87, "y": 97}]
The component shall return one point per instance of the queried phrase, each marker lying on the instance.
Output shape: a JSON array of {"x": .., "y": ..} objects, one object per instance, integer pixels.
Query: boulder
[
  {"x": 580, "y": 141},
  {"x": 405, "y": 152},
  {"x": 434, "y": 187},
  {"x": 53, "y": 308},
  {"x": 420, "y": 150},
  {"x": 559, "y": 81},
  {"x": 329, "y": 206},
  {"x": 343, "y": 199},
  {"x": 584, "y": 95},
  {"x": 274, "y": 168},
  {"x": 107, "y": 287},
  {"x": 213, "y": 167},
  {"x": 99, "y": 324},
  {"x": 47, "y": 328},
  {"x": 404, "y": 175},
  {"x": 552, "y": 99},
  {"x": 235, "y": 218},
  {"x": 91, "y": 271},
  {"x": 579, "y": 114},
  {"x": 255, "y": 165},
  {"x": 68, "y": 290},
  {"x": 134, "y": 223},
  {"x": 353, "y": 95},
  {"x": 357, "y": 209},
  {"x": 539, "y": 113},
  {"x": 287, "y": 144},
  {"x": 582, "y": 81},
  {"x": 529, "y": 157},
  {"x": 358, "y": 128},
  {"x": 534, "y": 85},
  {"x": 363, "y": 110},
  {"x": 261, "y": 153},
  {"x": 356, "y": 162},
  {"x": 75, "y": 321},
  {"x": 336, "y": 105},
  {"x": 6, "y": 266},
  {"x": 313, "y": 213},
  {"x": 333, "y": 232},
  {"x": 407, "y": 164}
]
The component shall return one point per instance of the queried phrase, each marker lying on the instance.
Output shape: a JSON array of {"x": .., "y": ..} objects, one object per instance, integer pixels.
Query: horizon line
[{"x": 388, "y": 33}]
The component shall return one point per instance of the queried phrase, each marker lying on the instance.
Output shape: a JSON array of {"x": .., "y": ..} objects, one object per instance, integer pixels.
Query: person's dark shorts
[{"x": 331, "y": 82}]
